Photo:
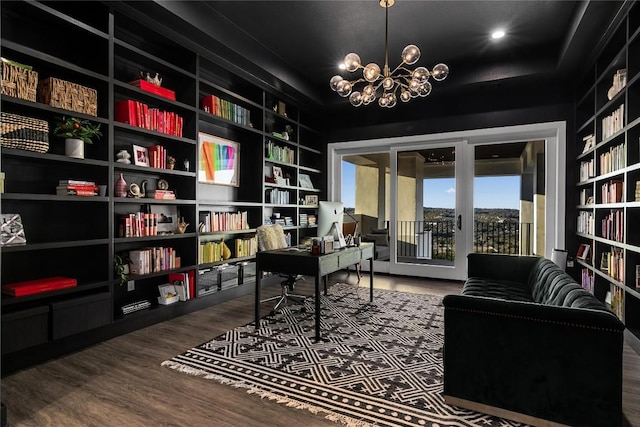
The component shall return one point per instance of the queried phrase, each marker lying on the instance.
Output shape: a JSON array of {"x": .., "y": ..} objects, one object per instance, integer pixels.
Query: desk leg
[
  {"x": 324, "y": 281},
  {"x": 258, "y": 275},
  {"x": 318, "y": 307},
  {"x": 371, "y": 279}
]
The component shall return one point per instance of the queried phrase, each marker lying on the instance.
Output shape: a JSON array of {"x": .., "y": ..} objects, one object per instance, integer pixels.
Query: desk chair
[
  {"x": 272, "y": 237},
  {"x": 349, "y": 231}
]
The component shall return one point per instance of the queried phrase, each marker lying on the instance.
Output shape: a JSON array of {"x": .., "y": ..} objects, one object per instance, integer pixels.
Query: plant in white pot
[{"x": 76, "y": 132}]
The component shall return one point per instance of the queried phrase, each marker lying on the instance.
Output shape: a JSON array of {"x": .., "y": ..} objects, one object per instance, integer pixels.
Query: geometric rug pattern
[{"x": 378, "y": 364}]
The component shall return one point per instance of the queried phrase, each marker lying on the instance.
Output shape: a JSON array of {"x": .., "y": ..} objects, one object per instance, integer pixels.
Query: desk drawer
[
  {"x": 367, "y": 251},
  {"x": 349, "y": 258},
  {"x": 329, "y": 264}
]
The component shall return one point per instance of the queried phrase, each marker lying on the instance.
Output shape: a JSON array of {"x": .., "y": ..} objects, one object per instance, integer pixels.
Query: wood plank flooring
[{"x": 120, "y": 382}]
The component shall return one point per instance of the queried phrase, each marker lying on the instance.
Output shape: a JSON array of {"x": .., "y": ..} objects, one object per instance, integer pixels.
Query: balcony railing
[{"x": 436, "y": 239}]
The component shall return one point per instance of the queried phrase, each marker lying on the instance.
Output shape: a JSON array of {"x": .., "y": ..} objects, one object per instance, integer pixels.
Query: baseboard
[{"x": 499, "y": 412}]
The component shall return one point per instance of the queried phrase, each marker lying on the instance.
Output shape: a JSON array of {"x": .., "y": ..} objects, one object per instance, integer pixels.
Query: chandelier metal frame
[{"x": 411, "y": 83}]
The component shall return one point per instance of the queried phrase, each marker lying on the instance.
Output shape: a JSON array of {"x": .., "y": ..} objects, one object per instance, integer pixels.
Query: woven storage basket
[
  {"x": 19, "y": 82},
  {"x": 68, "y": 96},
  {"x": 24, "y": 133}
]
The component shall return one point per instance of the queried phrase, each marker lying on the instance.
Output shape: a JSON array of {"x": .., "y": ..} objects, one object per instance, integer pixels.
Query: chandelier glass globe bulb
[
  {"x": 440, "y": 72},
  {"x": 333, "y": 83},
  {"x": 344, "y": 88},
  {"x": 356, "y": 99},
  {"x": 352, "y": 62},
  {"x": 421, "y": 74},
  {"x": 371, "y": 72},
  {"x": 383, "y": 101},
  {"x": 368, "y": 90},
  {"x": 387, "y": 83},
  {"x": 405, "y": 96},
  {"x": 410, "y": 54},
  {"x": 391, "y": 100}
]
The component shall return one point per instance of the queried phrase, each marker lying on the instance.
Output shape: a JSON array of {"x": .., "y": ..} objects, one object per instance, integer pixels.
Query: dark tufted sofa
[{"x": 525, "y": 341}]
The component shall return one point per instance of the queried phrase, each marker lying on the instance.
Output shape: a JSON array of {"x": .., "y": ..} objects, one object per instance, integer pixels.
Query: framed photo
[
  {"x": 305, "y": 181},
  {"x": 140, "y": 156},
  {"x": 583, "y": 252},
  {"x": 311, "y": 199},
  {"x": 167, "y": 218},
  {"x": 219, "y": 161},
  {"x": 277, "y": 172},
  {"x": 11, "y": 230}
]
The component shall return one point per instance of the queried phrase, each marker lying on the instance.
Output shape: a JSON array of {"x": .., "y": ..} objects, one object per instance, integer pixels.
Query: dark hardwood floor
[{"x": 120, "y": 382}]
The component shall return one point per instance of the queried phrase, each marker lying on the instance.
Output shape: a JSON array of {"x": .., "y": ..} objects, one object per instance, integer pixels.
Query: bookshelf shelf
[
  {"x": 117, "y": 45},
  {"x": 614, "y": 84}
]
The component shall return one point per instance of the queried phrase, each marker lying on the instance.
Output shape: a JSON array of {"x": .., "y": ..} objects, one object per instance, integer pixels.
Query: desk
[{"x": 303, "y": 262}]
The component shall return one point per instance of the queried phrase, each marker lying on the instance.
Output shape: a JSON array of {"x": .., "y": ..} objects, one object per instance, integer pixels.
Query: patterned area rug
[{"x": 380, "y": 365}]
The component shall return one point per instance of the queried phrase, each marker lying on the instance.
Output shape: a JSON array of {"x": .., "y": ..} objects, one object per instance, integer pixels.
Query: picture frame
[
  {"x": 304, "y": 181},
  {"x": 167, "y": 218},
  {"x": 583, "y": 252},
  {"x": 311, "y": 199},
  {"x": 278, "y": 175},
  {"x": 140, "y": 156},
  {"x": 11, "y": 230},
  {"x": 604, "y": 262},
  {"x": 219, "y": 160}
]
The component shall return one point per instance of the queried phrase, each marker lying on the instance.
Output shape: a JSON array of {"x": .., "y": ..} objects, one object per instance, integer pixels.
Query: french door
[{"x": 423, "y": 196}]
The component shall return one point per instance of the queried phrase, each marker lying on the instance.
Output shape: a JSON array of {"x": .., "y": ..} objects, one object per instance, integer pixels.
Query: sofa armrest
[
  {"x": 513, "y": 268},
  {"x": 554, "y": 363}
]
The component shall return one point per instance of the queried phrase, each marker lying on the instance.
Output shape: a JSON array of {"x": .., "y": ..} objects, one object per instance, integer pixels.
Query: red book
[
  {"x": 126, "y": 112},
  {"x": 155, "y": 89},
  {"x": 30, "y": 287}
]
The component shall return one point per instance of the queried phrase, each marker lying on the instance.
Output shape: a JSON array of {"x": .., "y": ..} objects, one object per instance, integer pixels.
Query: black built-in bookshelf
[
  {"x": 608, "y": 181},
  {"x": 79, "y": 237}
]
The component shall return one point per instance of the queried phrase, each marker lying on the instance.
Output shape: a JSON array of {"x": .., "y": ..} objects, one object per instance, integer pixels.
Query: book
[{"x": 36, "y": 286}]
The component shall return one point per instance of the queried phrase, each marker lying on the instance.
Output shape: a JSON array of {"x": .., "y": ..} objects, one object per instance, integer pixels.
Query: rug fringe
[{"x": 331, "y": 416}]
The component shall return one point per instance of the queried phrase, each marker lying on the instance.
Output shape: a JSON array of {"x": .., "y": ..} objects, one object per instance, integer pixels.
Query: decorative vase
[
  {"x": 120, "y": 189},
  {"x": 74, "y": 147},
  {"x": 170, "y": 165}
]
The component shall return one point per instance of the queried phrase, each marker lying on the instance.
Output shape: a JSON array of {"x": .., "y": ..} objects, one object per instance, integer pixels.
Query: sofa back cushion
[{"x": 550, "y": 285}]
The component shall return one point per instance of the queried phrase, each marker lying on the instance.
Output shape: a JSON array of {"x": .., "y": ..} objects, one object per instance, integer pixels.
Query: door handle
[{"x": 459, "y": 222}]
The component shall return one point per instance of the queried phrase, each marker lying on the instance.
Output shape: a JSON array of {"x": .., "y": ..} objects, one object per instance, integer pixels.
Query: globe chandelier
[{"x": 408, "y": 83}]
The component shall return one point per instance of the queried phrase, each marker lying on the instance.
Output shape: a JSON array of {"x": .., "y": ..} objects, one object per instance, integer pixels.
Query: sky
[{"x": 489, "y": 192}]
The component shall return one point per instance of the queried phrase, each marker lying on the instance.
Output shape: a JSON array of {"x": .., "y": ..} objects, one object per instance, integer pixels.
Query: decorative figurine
[
  {"x": 182, "y": 226},
  {"x": 123, "y": 157}
]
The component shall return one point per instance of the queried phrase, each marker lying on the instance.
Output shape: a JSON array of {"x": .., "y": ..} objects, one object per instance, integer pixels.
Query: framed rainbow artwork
[{"x": 219, "y": 160}]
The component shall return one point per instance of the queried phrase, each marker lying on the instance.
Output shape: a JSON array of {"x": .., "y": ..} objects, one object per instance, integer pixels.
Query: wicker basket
[
  {"x": 19, "y": 82},
  {"x": 68, "y": 96},
  {"x": 24, "y": 133}
]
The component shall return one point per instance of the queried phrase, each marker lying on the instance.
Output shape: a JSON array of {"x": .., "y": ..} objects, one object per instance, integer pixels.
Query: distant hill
[{"x": 481, "y": 214}]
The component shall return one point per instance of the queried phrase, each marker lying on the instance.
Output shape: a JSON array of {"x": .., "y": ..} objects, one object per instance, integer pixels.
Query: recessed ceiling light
[
  {"x": 498, "y": 34},
  {"x": 342, "y": 66}
]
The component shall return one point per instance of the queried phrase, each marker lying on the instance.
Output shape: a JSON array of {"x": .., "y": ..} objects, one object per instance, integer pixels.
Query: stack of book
[
  {"x": 139, "y": 224},
  {"x": 161, "y": 194},
  {"x": 227, "y": 110},
  {"x": 157, "y": 157},
  {"x": 141, "y": 115},
  {"x": 71, "y": 187},
  {"x": 637, "y": 191},
  {"x": 303, "y": 220}
]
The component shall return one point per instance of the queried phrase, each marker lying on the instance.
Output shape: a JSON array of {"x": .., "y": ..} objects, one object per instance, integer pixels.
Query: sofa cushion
[
  {"x": 492, "y": 288},
  {"x": 550, "y": 285}
]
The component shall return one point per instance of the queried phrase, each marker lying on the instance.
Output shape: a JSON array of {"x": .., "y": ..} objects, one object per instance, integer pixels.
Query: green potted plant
[
  {"x": 76, "y": 132},
  {"x": 121, "y": 267}
]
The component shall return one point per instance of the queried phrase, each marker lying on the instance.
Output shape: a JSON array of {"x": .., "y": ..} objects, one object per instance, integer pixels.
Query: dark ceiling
[{"x": 297, "y": 45}]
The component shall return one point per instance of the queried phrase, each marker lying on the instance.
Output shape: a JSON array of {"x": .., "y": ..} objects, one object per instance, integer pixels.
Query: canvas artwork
[{"x": 219, "y": 160}]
